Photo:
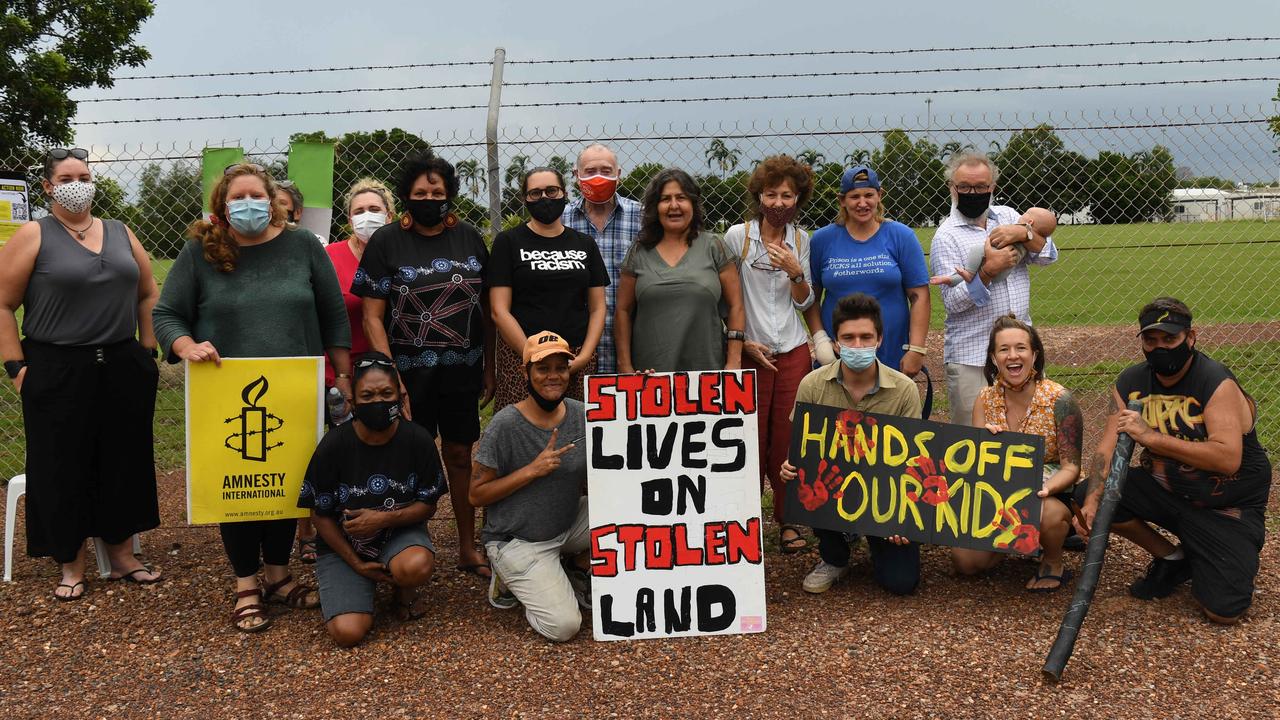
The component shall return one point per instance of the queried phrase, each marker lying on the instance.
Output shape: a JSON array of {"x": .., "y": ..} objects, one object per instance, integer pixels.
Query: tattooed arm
[
  {"x": 1101, "y": 463},
  {"x": 1069, "y": 422}
]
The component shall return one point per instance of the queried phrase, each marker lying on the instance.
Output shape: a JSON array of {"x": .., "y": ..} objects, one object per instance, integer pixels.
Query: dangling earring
[
  {"x": 450, "y": 220},
  {"x": 406, "y": 221},
  {"x": 213, "y": 220}
]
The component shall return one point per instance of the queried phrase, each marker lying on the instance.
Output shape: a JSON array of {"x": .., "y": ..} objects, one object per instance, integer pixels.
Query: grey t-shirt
[
  {"x": 547, "y": 506},
  {"x": 677, "y": 322}
]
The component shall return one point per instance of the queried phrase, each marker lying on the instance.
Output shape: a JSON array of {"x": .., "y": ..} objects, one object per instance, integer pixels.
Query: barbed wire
[
  {"x": 643, "y": 101},
  {"x": 706, "y": 56},
  {"x": 687, "y": 78}
]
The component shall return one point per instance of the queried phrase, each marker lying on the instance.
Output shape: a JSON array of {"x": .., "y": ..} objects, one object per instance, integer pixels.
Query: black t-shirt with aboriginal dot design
[{"x": 347, "y": 474}]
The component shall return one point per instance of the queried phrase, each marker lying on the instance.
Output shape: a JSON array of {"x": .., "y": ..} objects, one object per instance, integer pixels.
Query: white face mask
[
  {"x": 76, "y": 196},
  {"x": 366, "y": 222}
]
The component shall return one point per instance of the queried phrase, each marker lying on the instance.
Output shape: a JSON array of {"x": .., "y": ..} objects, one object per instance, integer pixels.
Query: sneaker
[
  {"x": 499, "y": 596},
  {"x": 581, "y": 583},
  {"x": 823, "y": 576},
  {"x": 1162, "y": 578}
]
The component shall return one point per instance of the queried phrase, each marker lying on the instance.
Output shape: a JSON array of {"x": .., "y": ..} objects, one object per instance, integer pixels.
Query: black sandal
[
  {"x": 71, "y": 596},
  {"x": 795, "y": 544},
  {"x": 132, "y": 576}
]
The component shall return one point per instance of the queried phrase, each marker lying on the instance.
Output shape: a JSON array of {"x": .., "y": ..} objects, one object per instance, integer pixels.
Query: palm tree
[
  {"x": 949, "y": 150},
  {"x": 861, "y": 156},
  {"x": 996, "y": 148},
  {"x": 810, "y": 157},
  {"x": 718, "y": 153},
  {"x": 516, "y": 170},
  {"x": 472, "y": 175},
  {"x": 560, "y": 165}
]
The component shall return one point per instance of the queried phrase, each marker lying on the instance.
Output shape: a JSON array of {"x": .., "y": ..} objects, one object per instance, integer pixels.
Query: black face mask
[
  {"x": 545, "y": 404},
  {"x": 377, "y": 415},
  {"x": 546, "y": 210},
  {"x": 1168, "y": 361},
  {"x": 427, "y": 213},
  {"x": 972, "y": 205}
]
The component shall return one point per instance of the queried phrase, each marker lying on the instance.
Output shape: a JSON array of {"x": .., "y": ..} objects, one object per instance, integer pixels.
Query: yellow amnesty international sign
[{"x": 252, "y": 425}]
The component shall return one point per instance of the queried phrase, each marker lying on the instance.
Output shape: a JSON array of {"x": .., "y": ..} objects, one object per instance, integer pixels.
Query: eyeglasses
[
  {"x": 970, "y": 189},
  {"x": 363, "y": 363},
  {"x": 64, "y": 153},
  {"x": 233, "y": 166},
  {"x": 762, "y": 263},
  {"x": 550, "y": 193},
  {"x": 285, "y": 184}
]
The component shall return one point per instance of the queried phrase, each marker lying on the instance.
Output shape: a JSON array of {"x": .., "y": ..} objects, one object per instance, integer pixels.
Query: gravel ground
[{"x": 958, "y": 648}]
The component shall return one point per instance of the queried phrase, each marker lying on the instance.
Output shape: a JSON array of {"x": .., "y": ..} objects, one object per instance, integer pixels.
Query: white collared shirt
[
  {"x": 773, "y": 316},
  {"x": 973, "y": 307}
]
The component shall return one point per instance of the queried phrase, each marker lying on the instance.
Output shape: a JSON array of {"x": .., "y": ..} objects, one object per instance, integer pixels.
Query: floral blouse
[{"x": 1039, "y": 420}]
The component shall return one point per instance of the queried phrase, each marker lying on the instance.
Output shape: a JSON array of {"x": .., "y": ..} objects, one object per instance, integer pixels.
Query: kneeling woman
[
  {"x": 1021, "y": 399},
  {"x": 530, "y": 472},
  {"x": 372, "y": 485}
]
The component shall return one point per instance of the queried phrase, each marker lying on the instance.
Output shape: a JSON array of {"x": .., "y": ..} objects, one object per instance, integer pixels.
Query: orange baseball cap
[{"x": 543, "y": 344}]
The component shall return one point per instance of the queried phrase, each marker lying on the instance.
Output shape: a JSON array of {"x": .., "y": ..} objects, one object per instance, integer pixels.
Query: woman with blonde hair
[{"x": 247, "y": 286}]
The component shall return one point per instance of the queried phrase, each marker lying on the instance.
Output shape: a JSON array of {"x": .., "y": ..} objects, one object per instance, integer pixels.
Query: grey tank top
[{"x": 78, "y": 297}]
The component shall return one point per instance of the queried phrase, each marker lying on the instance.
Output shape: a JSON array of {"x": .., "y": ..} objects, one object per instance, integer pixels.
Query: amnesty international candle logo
[
  {"x": 256, "y": 424},
  {"x": 252, "y": 425}
]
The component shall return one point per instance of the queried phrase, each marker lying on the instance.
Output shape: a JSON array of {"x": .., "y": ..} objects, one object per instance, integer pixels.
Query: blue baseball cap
[{"x": 859, "y": 176}]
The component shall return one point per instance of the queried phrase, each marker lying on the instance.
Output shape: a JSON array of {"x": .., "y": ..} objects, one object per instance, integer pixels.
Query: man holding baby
[{"x": 985, "y": 250}]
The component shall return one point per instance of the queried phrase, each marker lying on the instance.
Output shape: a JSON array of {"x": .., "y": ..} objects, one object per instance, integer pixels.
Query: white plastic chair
[{"x": 16, "y": 489}]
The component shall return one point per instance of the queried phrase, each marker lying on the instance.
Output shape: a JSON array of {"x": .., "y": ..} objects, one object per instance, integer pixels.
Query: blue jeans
[{"x": 896, "y": 568}]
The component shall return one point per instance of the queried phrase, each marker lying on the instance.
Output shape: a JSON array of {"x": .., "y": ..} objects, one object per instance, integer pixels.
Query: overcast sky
[{"x": 186, "y": 37}]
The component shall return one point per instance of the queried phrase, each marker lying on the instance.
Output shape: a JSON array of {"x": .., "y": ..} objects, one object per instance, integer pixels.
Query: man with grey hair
[
  {"x": 1001, "y": 285},
  {"x": 614, "y": 222}
]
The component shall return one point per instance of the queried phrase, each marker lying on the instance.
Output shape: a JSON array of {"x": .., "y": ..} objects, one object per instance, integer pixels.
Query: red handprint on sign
[
  {"x": 932, "y": 477},
  {"x": 847, "y": 423},
  {"x": 815, "y": 495}
]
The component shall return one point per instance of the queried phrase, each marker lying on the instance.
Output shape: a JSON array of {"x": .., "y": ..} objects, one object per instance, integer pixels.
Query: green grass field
[{"x": 1103, "y": 276}]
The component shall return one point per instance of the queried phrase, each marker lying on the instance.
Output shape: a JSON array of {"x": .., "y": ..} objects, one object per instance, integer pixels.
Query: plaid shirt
[
  {"x": 973, "y": 307},
  {"x": 618, "y": 234}
]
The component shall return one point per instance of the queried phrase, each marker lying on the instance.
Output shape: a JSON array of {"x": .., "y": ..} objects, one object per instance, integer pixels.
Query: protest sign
[
  {"x": 931, "y": 482},
  {"x": 252, "y": 425},
  {"x": 674, "y": 498},
  {"x": 15, "y": 207}
]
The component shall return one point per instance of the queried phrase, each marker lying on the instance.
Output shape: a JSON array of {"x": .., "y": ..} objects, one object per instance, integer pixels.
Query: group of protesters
[{"x": 422, "y": 324}]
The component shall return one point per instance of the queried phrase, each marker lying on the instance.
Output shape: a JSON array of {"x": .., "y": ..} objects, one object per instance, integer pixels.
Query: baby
[{"x": 1044, "y": 223}]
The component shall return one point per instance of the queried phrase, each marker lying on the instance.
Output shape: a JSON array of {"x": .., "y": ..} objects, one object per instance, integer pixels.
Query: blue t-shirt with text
[{"x": 884, "y": 267}]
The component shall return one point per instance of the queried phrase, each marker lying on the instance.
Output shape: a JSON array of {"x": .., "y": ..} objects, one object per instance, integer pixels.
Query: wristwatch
[
  {"x": 13, "y": 367},
  {"x": 917, "y": 348},
  {"x": 798, "y": 280},
  {"x": 735, "y": 335}
]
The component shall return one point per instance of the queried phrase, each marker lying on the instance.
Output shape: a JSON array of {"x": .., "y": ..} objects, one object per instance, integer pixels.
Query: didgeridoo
[{"x": 1060, "y": 653}]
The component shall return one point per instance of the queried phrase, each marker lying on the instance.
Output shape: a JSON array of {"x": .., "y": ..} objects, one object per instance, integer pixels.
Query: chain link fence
[{"x": 1184, "y": 203}]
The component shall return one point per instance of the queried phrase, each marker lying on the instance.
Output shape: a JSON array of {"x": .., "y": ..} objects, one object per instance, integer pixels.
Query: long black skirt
[{"x": 90, "y": 453}]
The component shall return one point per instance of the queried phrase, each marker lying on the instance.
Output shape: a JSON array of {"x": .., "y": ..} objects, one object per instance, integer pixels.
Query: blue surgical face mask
[
  {"x": 859, "y": 358},
  {"x": 248, "y": 216}
]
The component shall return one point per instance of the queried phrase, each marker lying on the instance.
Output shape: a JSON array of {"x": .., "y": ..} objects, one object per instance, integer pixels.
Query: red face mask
[{"x": 598, "y": 188}]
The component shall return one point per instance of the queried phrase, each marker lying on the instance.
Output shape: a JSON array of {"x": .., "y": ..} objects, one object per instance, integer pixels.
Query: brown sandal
[
  {"x": 251, "y": 610},
  {"x": 297, "y": 597}
]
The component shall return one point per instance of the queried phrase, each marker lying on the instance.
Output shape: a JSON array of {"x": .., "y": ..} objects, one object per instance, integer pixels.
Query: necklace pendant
[{"x": 80, "y": 235}]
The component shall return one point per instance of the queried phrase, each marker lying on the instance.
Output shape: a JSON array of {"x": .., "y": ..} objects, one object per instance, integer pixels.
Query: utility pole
[{"x": 491, "y": 139}]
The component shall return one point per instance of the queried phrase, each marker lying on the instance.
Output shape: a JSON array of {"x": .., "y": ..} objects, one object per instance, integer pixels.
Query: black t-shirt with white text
[{"x": 549, "y": 279}]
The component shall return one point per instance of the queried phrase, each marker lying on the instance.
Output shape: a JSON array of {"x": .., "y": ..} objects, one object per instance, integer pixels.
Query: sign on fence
[
  {"x": 252, "y": 425},
  {"x": 931, "y": 482},
  {"x": 15, "y": 208},
  {"x": 674, "y": 497}
]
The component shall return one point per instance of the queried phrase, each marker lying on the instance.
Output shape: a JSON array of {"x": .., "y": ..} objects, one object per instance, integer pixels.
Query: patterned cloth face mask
[{"x": 76, "y": 196}]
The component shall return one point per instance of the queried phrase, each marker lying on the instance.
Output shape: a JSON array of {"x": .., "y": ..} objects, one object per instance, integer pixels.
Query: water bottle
[{"x": 338, "y": 411}]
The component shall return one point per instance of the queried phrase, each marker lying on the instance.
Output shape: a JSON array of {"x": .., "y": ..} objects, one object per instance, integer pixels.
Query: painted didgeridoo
[{"x": 1060, "y": 653}]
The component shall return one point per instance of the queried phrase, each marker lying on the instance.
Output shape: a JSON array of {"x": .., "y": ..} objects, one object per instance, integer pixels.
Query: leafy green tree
[
  {"x": 1131, "y": 188},
  {"x": 516, "y": 169},
  {"x": 1208, "y": 181},
  {"x": 561, "y": 165},
  {"x": 857, "y": 156},
  {"x": 632, "y": 184},
  {"x": 720, "y": 155},
  {"x": 53, "y": 47},
  {"x": 724, "y": 200},
  {"x": 1274, "y": 121},
  {"x": 824, "y": 201},
  {"x": 168, "y": 202},
  {"x": 810, "y": 157},
  {"x": 472, "y": 176},
  {"x": 949, "y": 149},
  {"x": 1036, "y": 170},
  {"x": 109, "y": 201},
  {"x": 912, "y": 178}
]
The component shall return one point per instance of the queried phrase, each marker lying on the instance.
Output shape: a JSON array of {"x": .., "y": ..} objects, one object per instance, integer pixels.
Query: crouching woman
[
  {"x": 530, "y": 472},
  {"x": 372, "y": 484}
]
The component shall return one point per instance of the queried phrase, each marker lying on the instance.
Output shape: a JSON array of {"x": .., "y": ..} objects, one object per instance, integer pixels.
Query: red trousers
[{"x": 775, "y": 398}]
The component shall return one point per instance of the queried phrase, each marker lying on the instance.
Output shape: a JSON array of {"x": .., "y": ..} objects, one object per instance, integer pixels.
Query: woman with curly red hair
[
  {"x": 247, "y": 286},
  {"x": 772, "y": 253}
]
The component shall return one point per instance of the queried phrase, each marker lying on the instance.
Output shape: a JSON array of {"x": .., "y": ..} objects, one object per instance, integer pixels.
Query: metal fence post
[{"x": 491, "y": 139}]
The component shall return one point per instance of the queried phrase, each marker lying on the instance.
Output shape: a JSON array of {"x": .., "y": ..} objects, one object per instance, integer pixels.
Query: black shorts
[
  {"x": 1223, "y": 549},
  {"x": 447, "y": 413}
]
